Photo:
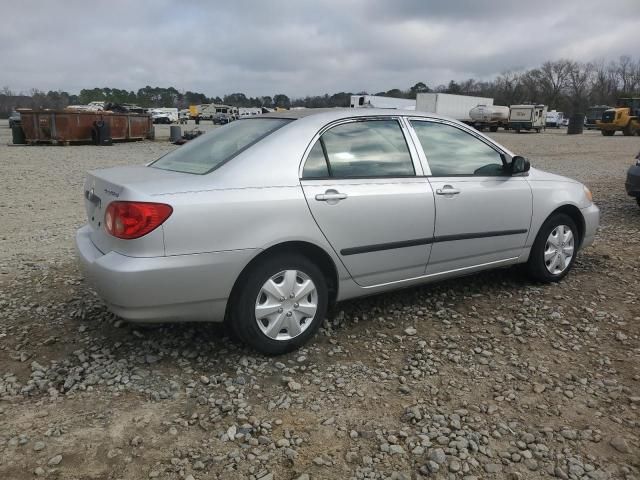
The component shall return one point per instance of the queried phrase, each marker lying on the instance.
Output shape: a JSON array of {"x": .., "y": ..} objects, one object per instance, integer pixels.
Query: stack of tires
[
  {"x": 101, "y": 133},
  {"x": 576, "y": 124}
]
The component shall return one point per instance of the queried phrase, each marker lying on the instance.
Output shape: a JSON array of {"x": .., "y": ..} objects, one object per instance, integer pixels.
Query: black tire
[
  {"x": 242, "y": 318},
  {"x": 608, "y": 133},
  {"x": 638, "y": 201},
  {"x": 493, "y": 128},
  {"x": 628, "y": 131},
  {"x": 536, "y": 266}
]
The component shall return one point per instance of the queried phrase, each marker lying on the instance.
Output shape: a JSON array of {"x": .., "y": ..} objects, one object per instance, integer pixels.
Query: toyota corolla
[{"x": 267, "y": 221}]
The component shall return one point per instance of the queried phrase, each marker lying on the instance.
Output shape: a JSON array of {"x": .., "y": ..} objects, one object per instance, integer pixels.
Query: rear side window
[
  {"x": 451, "y": 151},
  {"x": 316, "y": 164},
  {"x": 209, "y": 151},
  {"x": 371, "y": 148}
]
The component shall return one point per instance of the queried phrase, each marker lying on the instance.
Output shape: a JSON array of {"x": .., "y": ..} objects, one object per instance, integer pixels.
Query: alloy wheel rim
[
  {"x": 286, "y": 305},
  {"x": 559, "y": 249}
]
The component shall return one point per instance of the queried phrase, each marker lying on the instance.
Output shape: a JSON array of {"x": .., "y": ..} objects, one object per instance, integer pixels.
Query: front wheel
[
  {"x": 608, "y": 133},
  {"x": 281, "y": 303},
  {"x": 638, "y": 201},
  {"x": 554, "y": 250}
]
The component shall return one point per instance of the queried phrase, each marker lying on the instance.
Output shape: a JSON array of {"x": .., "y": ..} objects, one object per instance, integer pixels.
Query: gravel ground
[{"x": 488, "y": 376}]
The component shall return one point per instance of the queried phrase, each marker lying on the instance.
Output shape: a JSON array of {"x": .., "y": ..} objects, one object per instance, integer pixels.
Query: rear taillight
[{"x": 129, "y": 220}]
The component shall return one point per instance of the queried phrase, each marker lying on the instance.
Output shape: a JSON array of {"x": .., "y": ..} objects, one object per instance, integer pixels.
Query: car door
[
  {"x": 367, "y": 194},
  {"x": 483, "y": 213}
]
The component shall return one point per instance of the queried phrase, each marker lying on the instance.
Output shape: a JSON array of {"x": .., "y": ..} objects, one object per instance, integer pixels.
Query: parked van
[
  {"x": 527, "y": 117},
  {"x": 554, "y": 118}
]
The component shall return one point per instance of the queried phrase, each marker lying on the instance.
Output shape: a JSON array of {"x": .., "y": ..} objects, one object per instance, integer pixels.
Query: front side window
[
  {"x": 371, "y": 148},
  {"x": 451, "y": 151},
  {"x": 208, "y": 152}
]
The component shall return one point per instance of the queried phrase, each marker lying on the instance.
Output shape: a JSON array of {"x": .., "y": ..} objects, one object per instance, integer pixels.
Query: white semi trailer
[
  {"x": 449, "y": 105},
  {"x": 376, "y": 101},
  {"x": 489, "y": 116}
]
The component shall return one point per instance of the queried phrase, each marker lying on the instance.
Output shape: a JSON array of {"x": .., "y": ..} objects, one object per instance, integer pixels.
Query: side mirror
[{"x": 519, "y": 165}]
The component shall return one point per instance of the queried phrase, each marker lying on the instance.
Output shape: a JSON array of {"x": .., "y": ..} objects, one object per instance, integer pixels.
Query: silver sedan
[{"x": 266, "y": 221}]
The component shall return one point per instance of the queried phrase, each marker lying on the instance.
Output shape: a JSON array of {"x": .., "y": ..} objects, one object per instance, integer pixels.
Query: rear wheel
[
  {"x": 608, "y": 133},
  {"x": 628, "y": 130},
  {"x": 638, "y": 201},
  {"x": 493, "y": 128},
  {"x": 554, "y": 250},
  {"x": 281, "y": 303}
]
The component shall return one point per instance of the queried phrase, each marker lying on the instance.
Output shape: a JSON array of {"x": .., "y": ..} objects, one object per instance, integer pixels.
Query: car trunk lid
[{"x": 102, "y": 187}]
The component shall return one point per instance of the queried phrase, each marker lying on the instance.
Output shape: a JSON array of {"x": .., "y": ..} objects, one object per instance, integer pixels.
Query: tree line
[{"x": 565, "y": 85}]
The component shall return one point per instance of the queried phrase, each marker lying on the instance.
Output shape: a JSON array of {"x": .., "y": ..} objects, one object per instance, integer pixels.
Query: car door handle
[
  {"x": 330, "y": 196},
  {"x": 447, "y": 190}
]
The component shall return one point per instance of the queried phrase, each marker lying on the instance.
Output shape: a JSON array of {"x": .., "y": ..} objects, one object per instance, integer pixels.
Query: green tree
[
  {"x": 419, "y": 87},
  {"x": 236, "y": 99},
  {"x": 281, "y": 100}
]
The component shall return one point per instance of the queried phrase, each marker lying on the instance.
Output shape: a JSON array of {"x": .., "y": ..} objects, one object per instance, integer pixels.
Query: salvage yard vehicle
[
  {"x": 593, "y": 115},
  {"x": 377, "y": 101},
  {"x": 268, "y": 220},
  {"x": 632, "y": 184},
  {"x": 489, "y": 116},
  {"x": 554, "y": 118},
  {"x": 450, "y": 105},
  {"x": 527, "y": 117},
  {"x": 222, "y": 119},
  {"x": 164, "y": 115},
  {"x": 624, "y": 118}
]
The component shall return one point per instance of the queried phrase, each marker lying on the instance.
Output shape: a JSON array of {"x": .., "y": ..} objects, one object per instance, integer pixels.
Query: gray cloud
[{"x": 297, "y": 47}]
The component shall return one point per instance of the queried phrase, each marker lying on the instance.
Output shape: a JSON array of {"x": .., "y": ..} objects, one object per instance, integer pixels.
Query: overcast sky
[{"x": 298, "y": 47}]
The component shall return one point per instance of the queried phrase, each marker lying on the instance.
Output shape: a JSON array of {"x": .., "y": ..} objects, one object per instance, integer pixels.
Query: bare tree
[
  {"x": 554, "y": 77},
  {"x": 506, "y": 88},
  {"x": 602, "y": 85},
  {"x": 624, "y": 72},
  {"x": 579, "y": 81}
]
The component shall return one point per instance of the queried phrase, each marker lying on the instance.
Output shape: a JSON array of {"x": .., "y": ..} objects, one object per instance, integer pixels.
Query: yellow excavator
[{"x": 625, "y": 117}]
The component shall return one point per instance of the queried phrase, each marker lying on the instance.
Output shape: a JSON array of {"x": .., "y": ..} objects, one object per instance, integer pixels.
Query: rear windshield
[{"x": 209, "y": 151}]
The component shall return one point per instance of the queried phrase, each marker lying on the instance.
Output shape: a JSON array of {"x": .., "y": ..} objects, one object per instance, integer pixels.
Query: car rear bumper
[
  {"x": 632, "y": 185},
  {"x": 156, "y": 289},
  {"x": 591, "y": 216}
]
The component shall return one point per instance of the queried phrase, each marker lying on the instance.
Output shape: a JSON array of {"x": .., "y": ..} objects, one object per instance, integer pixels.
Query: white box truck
[
  {"x": 448, "y": 105},
  {"x": 376, "y": 101},
  {"x": 527, "y": 117}
]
